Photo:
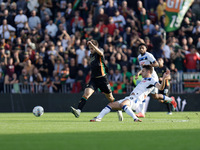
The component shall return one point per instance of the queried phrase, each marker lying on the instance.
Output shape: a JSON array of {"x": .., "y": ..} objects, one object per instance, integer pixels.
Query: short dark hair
[
  {"x": 142, "y": 44},
  {"x": 148, "y": 67}
]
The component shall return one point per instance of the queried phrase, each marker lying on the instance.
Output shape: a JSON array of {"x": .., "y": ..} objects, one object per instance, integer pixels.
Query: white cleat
[
  {"x": 95, "y": 119},
  {"x": 76, "y": 112},
  {"x": 120, "y": 115}
]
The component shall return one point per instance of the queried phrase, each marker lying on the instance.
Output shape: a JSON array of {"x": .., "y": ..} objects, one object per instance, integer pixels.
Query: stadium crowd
[{"x": 43, "y": 42}]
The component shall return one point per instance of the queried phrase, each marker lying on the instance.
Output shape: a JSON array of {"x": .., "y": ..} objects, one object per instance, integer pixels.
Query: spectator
[
  {"x": 49, "y": 85},
  {"x": 11, "y": 76},
  {"x": 143, "y": 16},
  {"x": 98, "y": 7},
  {"x": 68, "y": 13},
  {"x": 111, "y": 26},
  {"x": 30, "y": 44},
  {"x": 126, "y": 74},
  {"x": 113, "y": 65},
  {"x": 2, "y": 8},
  {"x": 152, "y": 16},
  {"x": 110, "y": 10},
  {"x": 88, "y": 28},
  {"x": 119, "y": 20},
  {"x": 51, "y": 29},
  {"x": 42, "y": 68},
  {"x": 58, "y": 66},
  {"x": 21, "y": 4},
  {"x": 24, "y": 78},
  {"x": 77, "y": 18},
  {"x": 62, "y": 6},
  {"x": 157, "y": 42},
  {"x": 32, "y": 5},
  {"x": 187, "y": 27},
  {"x": 196, "y": 29},
  {"x": 46, "y": 3},
  {"x": 80, "y": 54},
  {"x": 118, "y": 78},
  {"x": 178, "y": 59},
  {"x": 14, "y": 9},
  {"x": 20, "y": 21},
  {"x": 191, "y": 60},
  {"x": 8, "y": 17},
  {"x": 5, "y": 30},
  {"x": 44, "y": 11},
  {"x": 57, "y": 85},
  {"x": 79, "y": 82},
  {"x": 36, "y": 77},
  {"x": 29, "y": 67},
  {"x": 3, "y": 56},
  {"x": 64, "y": 74},
  {"x": 149, "y": 27},
  {"x": 114, "y": 3},
  {"x": 161, "y": 9},
  {"x": 96, "y": 34},
  {"x": 73, "y": 70},
  {"x": 167, "y": 53},
  {"x": 34, "y": 20},
  {"x": 124, "y": 9},
  {"x": 111, "y": 76}
]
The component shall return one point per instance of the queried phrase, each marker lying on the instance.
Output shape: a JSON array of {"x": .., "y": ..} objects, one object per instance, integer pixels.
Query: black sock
[
  {"x": 168, "y": 107},
  {"x": 82, "y": 103}
]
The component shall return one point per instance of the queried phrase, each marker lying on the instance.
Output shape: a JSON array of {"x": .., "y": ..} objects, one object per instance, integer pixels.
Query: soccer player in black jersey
[
  {"x": 98, "y": 79},
  {"x": 160, "y": 71}
]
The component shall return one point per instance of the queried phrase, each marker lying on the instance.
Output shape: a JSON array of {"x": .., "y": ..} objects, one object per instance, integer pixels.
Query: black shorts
[
  {"x": 101, "y": 83},
  {"x": 165, "y": 91}
]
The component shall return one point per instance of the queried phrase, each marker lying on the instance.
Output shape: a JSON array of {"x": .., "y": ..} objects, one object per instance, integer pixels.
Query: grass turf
[{"x": 57, "y": 131}]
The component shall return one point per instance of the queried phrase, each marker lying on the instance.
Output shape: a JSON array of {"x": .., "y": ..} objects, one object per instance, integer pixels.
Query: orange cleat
[
  {"x": 140, "y": 115},
  {"x": 174, "y": 104}
]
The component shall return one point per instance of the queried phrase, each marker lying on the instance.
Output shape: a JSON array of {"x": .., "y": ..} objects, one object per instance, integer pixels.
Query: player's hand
[
  {"x": 166, "y": 75},
  {"x": 89, "y": 43}
]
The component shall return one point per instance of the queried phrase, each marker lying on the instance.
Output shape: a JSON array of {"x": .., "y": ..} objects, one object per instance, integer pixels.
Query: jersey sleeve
[
  {"x": 151, "y": 58},
  {"x": 154, "y": 82}
]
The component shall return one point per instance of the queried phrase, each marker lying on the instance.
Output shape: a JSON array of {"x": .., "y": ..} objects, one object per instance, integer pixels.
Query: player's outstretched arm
[
  {"x": 95, "y": 48},
  {"x": 155, "y": 64},
  {"x": 166, "y": 76}
]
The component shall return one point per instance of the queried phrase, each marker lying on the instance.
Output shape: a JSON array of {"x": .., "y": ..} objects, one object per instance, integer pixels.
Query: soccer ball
[{"x": 38, "y": 111}]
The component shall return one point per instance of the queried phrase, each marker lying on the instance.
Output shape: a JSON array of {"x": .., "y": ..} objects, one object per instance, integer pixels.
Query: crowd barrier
[{"x": 62, "y": 102}]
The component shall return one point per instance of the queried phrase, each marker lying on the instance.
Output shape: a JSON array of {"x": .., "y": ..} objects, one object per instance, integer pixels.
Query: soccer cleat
[
  {"x": 95, "y": 119},
  {"x": 169, "y": 113},
  {"x": 174, "y": 104},
  {"x": 120, "y": 115},
  {"x": 140, "y": 115},
  {"x": 75, "y": 112},
  {"x": 137, "y": 120}
]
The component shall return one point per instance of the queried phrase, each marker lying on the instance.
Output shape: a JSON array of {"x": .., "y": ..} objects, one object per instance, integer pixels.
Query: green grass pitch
[{"x": 62, "y": 131}]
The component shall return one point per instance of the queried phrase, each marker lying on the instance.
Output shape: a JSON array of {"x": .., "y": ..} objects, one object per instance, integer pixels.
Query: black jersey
[
  {"x": 98, "y": 66},
  {"x": 160, "y": 72}
]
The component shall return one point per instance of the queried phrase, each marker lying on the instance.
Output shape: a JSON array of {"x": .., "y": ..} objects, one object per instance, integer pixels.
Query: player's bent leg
[
  {"x": 112, "y": 99},
  {"x": 126, "y": 107},
  {"x": 141, "y": 113},
  {"x": 106, "y": 110},
  {"x": 87, "y": 93},
  {"x": 166, "y": 99}
]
